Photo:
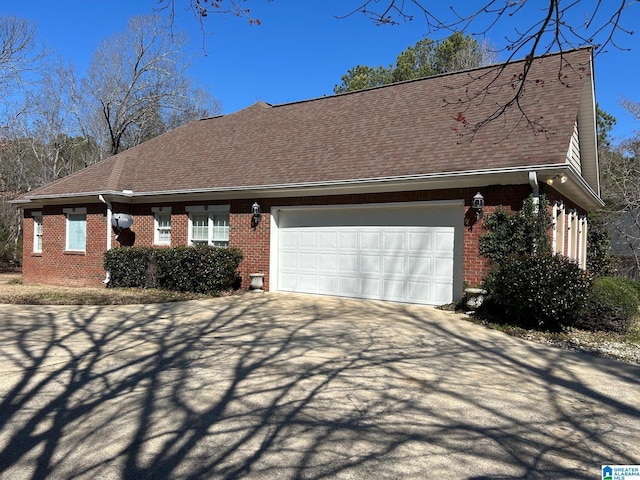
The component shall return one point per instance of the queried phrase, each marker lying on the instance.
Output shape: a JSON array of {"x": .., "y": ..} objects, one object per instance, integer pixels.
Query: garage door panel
[
  {"x": 288, "y": 260},
  {"x": 288, "y": 280},
  {"x": 308, "y": 239},
  {"x": 442, "y": 267},
  {"x": 444, "y": 242},
  {"x": 394, "y": 241},
  {"x": 370, "y": 240},
  {"x": 348, "y": 286},
  {"x": 328, "y": 240},
  {"x": 308, "y": 260},
  {"x": 441, "y": 293},
  {"x": 420, "y": 266},
  {"x": 327, "y": 284},
  {"x": 348, "y": 239},
  {"x": 419, "y": 292},
  {"x": 370, "y": 287},
  {"x": 308, "y": 282},
  {"x": 327, "y": 262},
  {"x": 369, "y": 264},
  {"x": 394, "y": 289},
  {"x": 401, "y": 263},
  {"x": 289, "y": 239},
  {"x": 394, "y": 265},
  {"x": 348, "y": 263},
  {"x": 420, "y": 241}
]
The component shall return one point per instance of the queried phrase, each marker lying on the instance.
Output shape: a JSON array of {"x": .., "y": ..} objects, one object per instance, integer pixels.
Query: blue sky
[{"x": 300, "y": 50}]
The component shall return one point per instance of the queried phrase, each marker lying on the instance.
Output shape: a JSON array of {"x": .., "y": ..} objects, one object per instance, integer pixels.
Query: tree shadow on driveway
[{"x": 294, "y": 386}]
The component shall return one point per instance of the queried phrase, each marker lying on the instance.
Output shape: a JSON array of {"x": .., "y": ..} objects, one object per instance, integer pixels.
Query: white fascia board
[
  {"x": 463, "y": 179},
  {"x": 588, "y": 133}
]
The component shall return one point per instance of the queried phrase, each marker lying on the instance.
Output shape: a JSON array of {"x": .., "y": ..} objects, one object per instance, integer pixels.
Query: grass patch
[{"x": 13, "y": 291}]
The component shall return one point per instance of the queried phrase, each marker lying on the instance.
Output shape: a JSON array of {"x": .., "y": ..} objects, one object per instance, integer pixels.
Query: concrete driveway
[{"x": 283, "y": 386}]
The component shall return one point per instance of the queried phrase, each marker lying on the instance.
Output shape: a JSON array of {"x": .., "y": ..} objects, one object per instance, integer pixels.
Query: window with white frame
[
  {"x": 162, "y": 225},
  {"x": 37, "y": 232},
  {"x": 209, "y": 225},
  {"x": 76, "y": 238}
]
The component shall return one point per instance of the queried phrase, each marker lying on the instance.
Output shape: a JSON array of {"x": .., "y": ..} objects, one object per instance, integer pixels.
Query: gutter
[{"x": 586, "y": 197}]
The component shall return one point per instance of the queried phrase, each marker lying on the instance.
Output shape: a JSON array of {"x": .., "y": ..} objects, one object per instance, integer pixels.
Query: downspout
[
  {"x": 109, "y": 214},
  {"x": 533, "y": 181}
]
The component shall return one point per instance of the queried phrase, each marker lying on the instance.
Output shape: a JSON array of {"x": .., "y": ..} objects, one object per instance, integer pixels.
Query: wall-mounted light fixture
[
  {"x": 256, "y": 215},
  {"x": 557, "y": 179},
  {"x": 478, "y": 205}
]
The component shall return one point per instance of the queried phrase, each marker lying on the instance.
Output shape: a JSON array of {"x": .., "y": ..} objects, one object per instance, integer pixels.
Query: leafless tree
[
  {"x": 632, "y": 107},
  {"x": 620, "y": 172},
  {"x": 19, "y": 55},
  {"x": 18, "y": 52},
  {"x": 138, "y": 79}
]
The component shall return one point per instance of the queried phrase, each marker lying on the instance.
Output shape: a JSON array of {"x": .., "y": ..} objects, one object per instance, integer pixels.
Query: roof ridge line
[{"x": 439, "y": 75}]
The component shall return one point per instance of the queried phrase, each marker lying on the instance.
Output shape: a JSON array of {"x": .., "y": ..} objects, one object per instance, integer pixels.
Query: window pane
[
  {"x": 200, "y": 228},
  {"x": 164, "y": 228},
  {"x": 76, "y": 231},
  {"x": 37, "y": 233},
  {"x": 220, "y": 228}
]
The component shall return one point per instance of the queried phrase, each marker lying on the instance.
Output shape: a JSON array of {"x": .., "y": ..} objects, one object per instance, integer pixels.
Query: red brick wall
[{"x": 54, "y": 266}]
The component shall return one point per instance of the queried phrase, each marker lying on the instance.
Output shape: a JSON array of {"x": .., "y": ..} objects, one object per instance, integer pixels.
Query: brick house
[{"x": 366, "y": 194}]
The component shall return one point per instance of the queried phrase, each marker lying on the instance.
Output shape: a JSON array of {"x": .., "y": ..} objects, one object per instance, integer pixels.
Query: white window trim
[
  {"x": 158, "y": 211},
  {"x": 75, "y": 211},
  {"x": 211, "y": 210},
  {"x": 37, "y": 220}
]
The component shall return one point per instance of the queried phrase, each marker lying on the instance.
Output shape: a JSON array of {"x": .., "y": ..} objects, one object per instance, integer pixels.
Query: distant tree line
[
  {"x": 424, "y": 59},
  {"x": 55, "y": 120}
]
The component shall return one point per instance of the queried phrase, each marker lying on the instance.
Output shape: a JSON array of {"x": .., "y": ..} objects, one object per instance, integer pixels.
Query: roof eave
[
  {"x": 587, "y": 131},
  {"x": 585, "y": 195}
]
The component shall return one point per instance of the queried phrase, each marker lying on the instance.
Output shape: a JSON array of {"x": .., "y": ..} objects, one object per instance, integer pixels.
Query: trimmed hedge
[
  {"x": 612, "y": 305},
  {"x": 544, "y": 292},
  {"x": 199, "y": 269},
  {"x": 128, "y": 266}
]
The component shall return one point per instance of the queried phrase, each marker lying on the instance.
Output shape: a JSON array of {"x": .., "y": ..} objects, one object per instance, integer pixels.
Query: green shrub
[
  {"x": 635, "y": 286},
  {"x": 128, "y": 266},
  {"x": 600, "y": 260},
  {"x": 200, "y": 269},
  {"x": 612, "y": 305},
  {"x": 544, "y": 292},
  {"x": 525, "y": 232}
]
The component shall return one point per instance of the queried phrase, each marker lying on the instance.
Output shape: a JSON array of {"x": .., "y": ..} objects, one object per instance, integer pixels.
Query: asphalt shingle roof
[{"x": 403, "y": 129}]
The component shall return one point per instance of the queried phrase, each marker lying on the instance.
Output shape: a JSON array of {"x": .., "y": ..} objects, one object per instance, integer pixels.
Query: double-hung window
[
  {"x": 76, "y": 236},
  {"x": 162, "y": 225},
  {"x": 209, "y": 225},
  {"x": 37, "y": 232}
]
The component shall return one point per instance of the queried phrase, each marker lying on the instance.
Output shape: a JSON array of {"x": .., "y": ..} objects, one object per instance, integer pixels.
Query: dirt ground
[{"x": 12, "y": 290}]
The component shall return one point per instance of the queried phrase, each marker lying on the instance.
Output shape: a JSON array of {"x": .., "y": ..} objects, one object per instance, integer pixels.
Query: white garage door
[{"x": 387, "y": 262}]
